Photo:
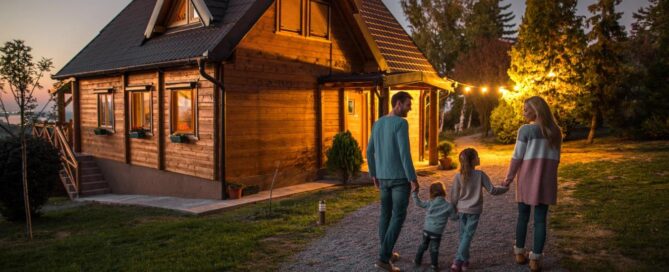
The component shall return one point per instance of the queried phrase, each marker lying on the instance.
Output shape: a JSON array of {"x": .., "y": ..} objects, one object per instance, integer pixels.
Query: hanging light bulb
[
  {"x": 517, "y": 87},
  {"x": 484, "y": 89},
  {"x": 468, "y": 89}
]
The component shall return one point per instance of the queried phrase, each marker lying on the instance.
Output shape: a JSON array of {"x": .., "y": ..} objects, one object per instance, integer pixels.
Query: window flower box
[
  {"x": 101, "y": 131},
  {"x": 137, "y": 134},
  {"x": 178, "y": 138}
]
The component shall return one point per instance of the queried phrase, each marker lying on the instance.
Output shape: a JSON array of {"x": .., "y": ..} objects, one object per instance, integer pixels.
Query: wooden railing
[{"x": 61, "y": 138}]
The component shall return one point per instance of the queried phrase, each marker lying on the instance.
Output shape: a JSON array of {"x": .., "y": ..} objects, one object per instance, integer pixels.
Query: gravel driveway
[{"x": 352, "y": 244}]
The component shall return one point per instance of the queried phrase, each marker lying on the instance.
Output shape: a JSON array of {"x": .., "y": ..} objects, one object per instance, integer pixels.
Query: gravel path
[{"x": 352, "y": 244}]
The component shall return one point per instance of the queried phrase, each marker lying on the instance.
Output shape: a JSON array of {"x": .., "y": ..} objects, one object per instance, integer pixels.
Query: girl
[
  {"x": 438, "y": 211},
  {"x": 467, "y": 199},
  {"x": 535, "y": 160}
]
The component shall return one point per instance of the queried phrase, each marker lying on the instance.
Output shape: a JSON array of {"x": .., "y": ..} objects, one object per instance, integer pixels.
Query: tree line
[{"x": 591, "y": 70}]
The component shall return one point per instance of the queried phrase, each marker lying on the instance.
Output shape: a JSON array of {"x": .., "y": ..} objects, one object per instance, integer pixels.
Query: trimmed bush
[
  {"x": 505, "y": 121},
  {"x": 445, "y": 148},
  {"x": 43, "y": 167},
  {"x": 344, "y": 156}
]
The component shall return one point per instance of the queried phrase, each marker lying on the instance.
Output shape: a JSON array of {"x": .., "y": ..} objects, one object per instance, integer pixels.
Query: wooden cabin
[{"x": 179, "y": 97}]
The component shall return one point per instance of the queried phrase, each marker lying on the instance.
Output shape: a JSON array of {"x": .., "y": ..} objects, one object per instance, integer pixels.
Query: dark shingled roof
[
  {"x": 397, "y": 48},
  {"x": 121, "y": 45}
]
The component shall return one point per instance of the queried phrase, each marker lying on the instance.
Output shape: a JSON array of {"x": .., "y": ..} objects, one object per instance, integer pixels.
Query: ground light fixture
[{"x": 321, "y": 212}]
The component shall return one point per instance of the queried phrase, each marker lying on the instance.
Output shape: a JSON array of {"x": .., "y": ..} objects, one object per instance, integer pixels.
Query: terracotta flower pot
[
  {"x": 445, "y": 163},
  {"x": 234, "y": 193}
]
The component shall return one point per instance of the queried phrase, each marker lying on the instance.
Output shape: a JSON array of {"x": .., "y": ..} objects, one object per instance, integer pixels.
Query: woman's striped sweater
[{"x": 535, "y": 163}]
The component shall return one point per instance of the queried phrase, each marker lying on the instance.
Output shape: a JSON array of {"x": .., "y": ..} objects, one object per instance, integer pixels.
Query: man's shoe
[
  {"x": 519, "y": 254},
  {"x": 386, "y": 266},
  {"x": 395, "y": 257}
]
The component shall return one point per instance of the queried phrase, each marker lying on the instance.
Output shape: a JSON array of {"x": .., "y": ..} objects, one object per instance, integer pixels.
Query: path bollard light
[{"x": 321, "y": 212}]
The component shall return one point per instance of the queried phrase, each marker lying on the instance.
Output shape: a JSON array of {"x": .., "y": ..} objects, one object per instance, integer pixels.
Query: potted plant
[
  {"x": 137, "y": 133},
  {"x": 101, "y": 131},
  {"x": 235, "y": 190},
  {"x": 344, "y": 156},
  {"x": 445, "y": 148},
  {"x": 178, "y": 138}
]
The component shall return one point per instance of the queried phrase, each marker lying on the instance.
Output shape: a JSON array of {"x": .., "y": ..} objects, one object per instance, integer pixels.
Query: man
[{"x": 391, "y": 170}]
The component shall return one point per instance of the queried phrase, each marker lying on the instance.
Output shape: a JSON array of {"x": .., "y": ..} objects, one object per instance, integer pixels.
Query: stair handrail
[{"x": 55, "y": 135}]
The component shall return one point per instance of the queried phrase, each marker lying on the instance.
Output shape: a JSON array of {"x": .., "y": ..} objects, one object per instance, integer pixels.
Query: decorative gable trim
[{"x": 163, "y": 6}]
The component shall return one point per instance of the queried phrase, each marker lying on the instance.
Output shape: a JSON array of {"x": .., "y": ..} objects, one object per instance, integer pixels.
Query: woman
[{"x": 535, "y": 162}]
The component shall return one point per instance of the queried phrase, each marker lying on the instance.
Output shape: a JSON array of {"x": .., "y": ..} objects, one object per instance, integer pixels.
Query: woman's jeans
[
  {"x": 394, "y": 202},
  {"x": 431, "y": 240},
  {"x": 540, "y": 212},
  {"x": 468, "y": 224}
]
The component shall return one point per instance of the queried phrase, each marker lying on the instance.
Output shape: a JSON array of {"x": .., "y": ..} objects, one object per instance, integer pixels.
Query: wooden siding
[
  {"x": 271, "y": 106},
  {"x": 194, "y": 158},
  {"x": 103, "y": 146},
  {"x": 143, "y": 151}
]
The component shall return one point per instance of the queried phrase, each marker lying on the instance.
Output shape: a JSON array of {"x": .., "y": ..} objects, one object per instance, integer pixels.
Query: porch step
[
  {"x": 92, "y": 181},
  {"x": 95, "y": 192}
]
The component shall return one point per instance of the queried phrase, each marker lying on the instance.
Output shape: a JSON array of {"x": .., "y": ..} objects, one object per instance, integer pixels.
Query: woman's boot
[
  {"x": 521, "y": 258},
  {"x": 535, "y": 262}
]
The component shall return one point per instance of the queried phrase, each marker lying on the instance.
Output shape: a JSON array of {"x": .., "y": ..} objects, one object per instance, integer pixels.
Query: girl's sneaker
[{"x": 456, "y": 266}]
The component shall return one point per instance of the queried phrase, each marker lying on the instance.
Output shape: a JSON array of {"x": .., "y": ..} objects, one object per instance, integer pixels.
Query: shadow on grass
[{"x": 617, "y": 215}]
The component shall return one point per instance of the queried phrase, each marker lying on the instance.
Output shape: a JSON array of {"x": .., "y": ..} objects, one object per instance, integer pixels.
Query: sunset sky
[{"x": 60, "y": 29}]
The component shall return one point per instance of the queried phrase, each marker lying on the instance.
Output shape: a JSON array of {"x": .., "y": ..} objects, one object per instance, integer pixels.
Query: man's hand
[
  {"x": 414, "y": 186},
  {"x": 376, "y": 182}
]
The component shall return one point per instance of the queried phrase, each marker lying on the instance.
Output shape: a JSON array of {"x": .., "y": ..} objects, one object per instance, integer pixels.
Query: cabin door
[{"x": 357, "y": 121}]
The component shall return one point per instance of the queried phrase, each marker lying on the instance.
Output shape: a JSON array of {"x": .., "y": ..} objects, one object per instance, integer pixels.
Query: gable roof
[
  {"x": 396, "y": 46},
  {"x": 121, "y": 45}
]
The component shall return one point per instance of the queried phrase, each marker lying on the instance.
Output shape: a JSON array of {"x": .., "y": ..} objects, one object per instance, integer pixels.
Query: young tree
[
  {"x": 606, "y": 62},
  {"x": 547, "y": 60},
  {"x": 22, "y": 75}
]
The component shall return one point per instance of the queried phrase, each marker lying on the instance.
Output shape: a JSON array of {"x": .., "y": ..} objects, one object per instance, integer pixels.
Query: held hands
[{"x": 414, "y": 186}]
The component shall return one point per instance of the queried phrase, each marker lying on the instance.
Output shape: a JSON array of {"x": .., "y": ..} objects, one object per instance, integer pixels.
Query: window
[
  {"x": 140, "y": 110},
  {"x": 351, "y": 107},
  {"x": 313, "y": 15},
  {"x": 182, "y": 111},
  {"x": 319, "y": 19},
  {"x": 106, "y": 110},
  {"x": 290, "y": 15},
  {"x": 182, "y": 13}
]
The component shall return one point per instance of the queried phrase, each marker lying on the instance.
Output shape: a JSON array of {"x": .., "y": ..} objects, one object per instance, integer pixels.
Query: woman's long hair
[
  {"x": 467, "y": 158},
  {"x": 546, "y": 121}
]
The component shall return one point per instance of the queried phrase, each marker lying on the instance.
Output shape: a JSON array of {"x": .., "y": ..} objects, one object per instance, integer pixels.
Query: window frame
[
  {"x": 328, "y": 23},
  {"x": 98, "y": 94},
  {"x": 305, "y": 20},
  {"x": 181, "y": 86},
  {"x": 190, "y": 19},
  {"x": 144, "y": 90}
]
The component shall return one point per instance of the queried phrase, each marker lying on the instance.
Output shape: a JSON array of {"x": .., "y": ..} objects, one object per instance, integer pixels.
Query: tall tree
[
  {"x": 605, "y": 60},
  {"x": 485, "y": 64},
  {"x": 485, "y": 60},
  {"x": 548, "y": 58},
  {"x": 22, "y": 77},
  {"x": 437, "y": 27},
  {"x": 644, "y": 105},
  {"x": 488, "y": 19}
]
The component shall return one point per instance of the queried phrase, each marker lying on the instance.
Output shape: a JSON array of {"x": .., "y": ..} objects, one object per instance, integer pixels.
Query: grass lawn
[
  {"x": 613, "y": 209},
  {"x": 118, "y": 238}
]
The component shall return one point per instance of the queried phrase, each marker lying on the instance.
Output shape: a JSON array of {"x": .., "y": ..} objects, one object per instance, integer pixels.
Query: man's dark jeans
[{"x": 394, "y": 202}]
